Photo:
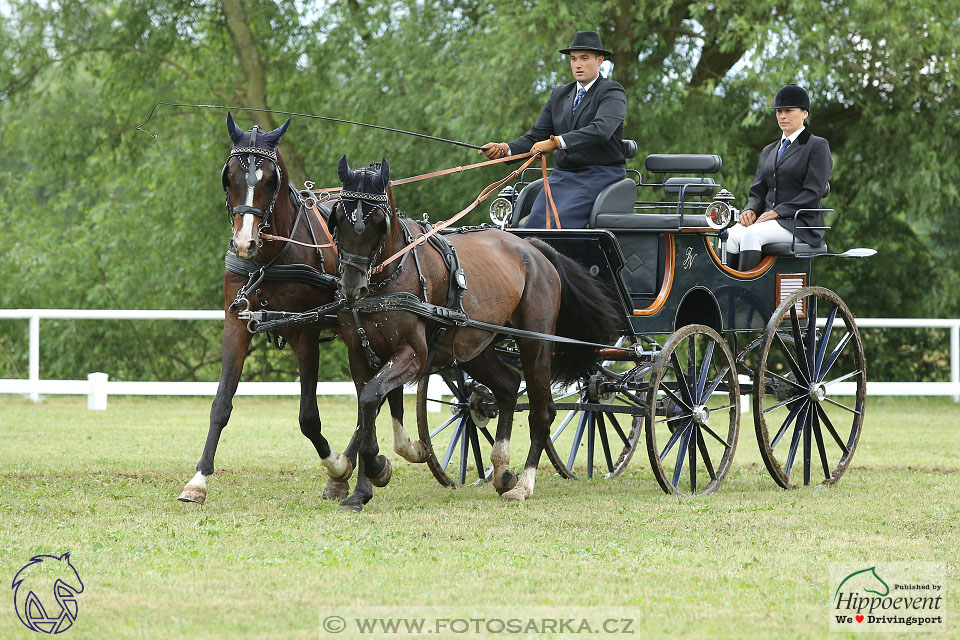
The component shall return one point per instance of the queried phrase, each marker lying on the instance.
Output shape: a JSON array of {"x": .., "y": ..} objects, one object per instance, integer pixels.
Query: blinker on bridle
[{"x": 251, "y": 158}]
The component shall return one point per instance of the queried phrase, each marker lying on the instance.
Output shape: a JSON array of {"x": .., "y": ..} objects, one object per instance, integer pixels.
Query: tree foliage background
[{"x": 99, "y": 215}]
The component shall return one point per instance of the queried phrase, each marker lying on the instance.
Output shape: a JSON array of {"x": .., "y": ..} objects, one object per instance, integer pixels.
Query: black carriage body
[{"x": 667, "y": 280}]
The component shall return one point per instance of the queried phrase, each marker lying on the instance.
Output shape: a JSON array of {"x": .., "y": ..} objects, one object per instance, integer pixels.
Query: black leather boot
[
  {"x": 733, "y": 261},
  {"x": 749, "y": 259}
]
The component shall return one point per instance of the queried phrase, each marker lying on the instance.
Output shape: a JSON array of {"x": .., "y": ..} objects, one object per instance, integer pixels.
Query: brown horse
[
  {"x": 502, "y": 280},
  {"x": 259, "y": 195}
]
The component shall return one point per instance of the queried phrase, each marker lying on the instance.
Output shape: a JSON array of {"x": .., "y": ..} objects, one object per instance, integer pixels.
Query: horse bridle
[
  {"x": 376, "y": 201},
  {"x": 253, "y": 157}
]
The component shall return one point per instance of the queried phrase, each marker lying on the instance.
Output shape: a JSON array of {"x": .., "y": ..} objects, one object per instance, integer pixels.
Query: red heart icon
[{"x": 859, "y": 618}]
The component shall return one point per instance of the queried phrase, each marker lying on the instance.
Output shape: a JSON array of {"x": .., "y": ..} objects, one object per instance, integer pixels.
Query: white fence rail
[{"x": 97, "y": 387}]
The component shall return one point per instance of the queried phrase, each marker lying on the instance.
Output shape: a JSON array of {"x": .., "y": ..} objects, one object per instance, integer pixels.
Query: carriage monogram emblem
[
  {"x": 45, "y": 593},
  {"x": 688, "y": 258}
]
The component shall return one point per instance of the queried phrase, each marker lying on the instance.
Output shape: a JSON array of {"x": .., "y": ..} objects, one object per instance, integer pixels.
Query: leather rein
[{"x": 330, "y": 193}]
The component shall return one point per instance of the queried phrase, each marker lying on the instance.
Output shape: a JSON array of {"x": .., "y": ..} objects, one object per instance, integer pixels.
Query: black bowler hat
[
  {"x": 587, "y": 41},
  {"x": 792, "y": 96}
]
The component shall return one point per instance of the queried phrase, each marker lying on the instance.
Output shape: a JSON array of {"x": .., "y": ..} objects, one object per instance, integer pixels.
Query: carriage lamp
[
  {"x": 502, "y": 207},
  {"x": 720, "y": 212}
]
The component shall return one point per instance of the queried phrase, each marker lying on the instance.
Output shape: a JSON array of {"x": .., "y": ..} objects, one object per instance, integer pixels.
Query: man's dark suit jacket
[
  {"x": 797, "y": 182},
  {"x": 594, "y": 135}
]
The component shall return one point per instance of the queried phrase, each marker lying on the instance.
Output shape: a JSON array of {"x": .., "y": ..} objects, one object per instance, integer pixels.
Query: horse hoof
[
  {"x": 415, "y": 452},
  {"x": 517, "y": 494},
  {"x": 336, "y": 489},
  {"x": 508, "y": 480},
  {"x": 384, "y": 477},
  {"x": 347, "y": 505},
  {"x": 193, "y": 493},
  {"x": 346, "y": 474}
]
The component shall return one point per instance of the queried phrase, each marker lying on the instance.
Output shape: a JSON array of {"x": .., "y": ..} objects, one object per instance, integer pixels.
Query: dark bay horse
[
  {"x": 503, "y": 280},
  {"x": 258, "y": 195}
]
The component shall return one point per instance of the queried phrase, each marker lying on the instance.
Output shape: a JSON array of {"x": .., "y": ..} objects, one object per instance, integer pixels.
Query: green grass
[{"x": 266, "y": 552}]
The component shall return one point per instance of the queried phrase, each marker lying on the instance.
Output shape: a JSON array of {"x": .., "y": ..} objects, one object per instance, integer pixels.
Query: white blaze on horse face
[{"x": 246, "y": 234}]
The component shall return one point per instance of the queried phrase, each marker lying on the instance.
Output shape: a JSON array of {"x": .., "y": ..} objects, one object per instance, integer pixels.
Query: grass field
[{"x": 265, "y": 553}]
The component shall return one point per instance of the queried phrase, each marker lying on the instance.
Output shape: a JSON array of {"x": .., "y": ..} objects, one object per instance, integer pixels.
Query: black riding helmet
[{"x": 792, "y": 96}]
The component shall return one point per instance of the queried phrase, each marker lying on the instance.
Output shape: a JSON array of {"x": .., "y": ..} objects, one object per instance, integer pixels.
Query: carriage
[
  {"x": 695, "y": 336},
  {"x": 701, "y": 337}
]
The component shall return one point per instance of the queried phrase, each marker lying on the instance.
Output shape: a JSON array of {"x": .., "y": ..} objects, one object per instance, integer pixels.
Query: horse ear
[
  {"x": 235, "y": 132},
  {"x": 343, "y": 169},
  {"x": 273, "y": 137},
  {"x": 384, "y": 171}
]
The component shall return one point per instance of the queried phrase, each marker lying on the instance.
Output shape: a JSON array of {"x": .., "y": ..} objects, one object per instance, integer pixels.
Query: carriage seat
[
  {"x": 615, "y": 210},
  {"x": 683, "y": 163}
]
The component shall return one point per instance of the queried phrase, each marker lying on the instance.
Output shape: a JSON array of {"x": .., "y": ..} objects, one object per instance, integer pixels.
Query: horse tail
[{"x": 588, "y": 312}]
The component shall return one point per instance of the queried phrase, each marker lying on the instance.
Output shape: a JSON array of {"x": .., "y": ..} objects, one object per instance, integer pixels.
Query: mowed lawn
[{"x": 265, "y": 552}]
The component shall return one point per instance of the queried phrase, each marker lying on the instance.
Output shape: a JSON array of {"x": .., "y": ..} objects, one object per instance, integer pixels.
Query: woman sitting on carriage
[{"x": 791, "y": 177}]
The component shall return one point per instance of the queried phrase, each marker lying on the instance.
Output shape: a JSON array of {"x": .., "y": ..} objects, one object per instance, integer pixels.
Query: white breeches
[{"x": 741, "y": 238}]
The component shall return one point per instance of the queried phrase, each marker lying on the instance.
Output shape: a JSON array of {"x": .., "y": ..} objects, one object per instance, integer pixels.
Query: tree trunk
[{"x": 255, "y": 83}]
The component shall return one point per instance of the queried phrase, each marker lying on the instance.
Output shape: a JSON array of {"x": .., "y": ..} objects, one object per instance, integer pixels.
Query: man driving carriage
[{"x": 583, "y": 122}]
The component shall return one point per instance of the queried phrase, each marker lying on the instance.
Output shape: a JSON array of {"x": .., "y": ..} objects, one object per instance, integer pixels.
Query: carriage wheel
[
  {"x": 693, "y": 416},
  {"x": 614, "y": 418},
  {"x": 798, "y": 368},
  {"x": 460, "y": 437}
]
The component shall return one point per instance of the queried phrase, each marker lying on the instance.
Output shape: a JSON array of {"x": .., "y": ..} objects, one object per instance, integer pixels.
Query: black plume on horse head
[
  {"x": 366, "y": 187},
  {"x": 267, "y": 141}
]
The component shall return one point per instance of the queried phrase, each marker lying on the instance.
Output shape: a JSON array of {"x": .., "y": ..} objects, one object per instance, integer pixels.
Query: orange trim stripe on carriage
[
  {"x": 758, "y": 270},
  {"x": 670, "y": 264}
]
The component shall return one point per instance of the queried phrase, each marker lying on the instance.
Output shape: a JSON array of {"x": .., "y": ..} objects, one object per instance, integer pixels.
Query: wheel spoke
[
  {"x": 726, "y": 445},
  {"x": 465, "y": 449},
  {"x": 807, "y": 428},
  {"x": 842, "y": 406},
  {"x": 787, "y": 380},
  {"x": 705, "y": 454},
  {"x": 692, "y": 364},
  {"x": 788, "y": 401},
  {"x": 577, "y": 437},
  {"x": 835, "y": 354},
  {"x": 616, "y": 426},
  {"x": 827, "y": 330},
  {"x": 707, "y": 360},
  {"x": 786, "y": 424},
  {"x": 678, "y": 432},
  {"x": 477, "y": 456},
  {"x": 591, "y": 439},
  {"x": 678, "y": 417},
  {"x": 798, "y": 341},
  {"x": 820, "y": 447},
  {"x": 461, "y": 426},
  {"x": 452, "y": 403},
  {"x": 791, "y": 361},
  {"x": 673, "y": 396},
  {"x": 714, "y": 384},
  {"x": 842, "y": 378},
  {"x": 833, "y": 432},
  {"x": 681, "y": 454},
  {"x": 681, "y": 380},
  {"x": 570, "y": 416},
  {"x": 811, "y": 335},
  {"x": 602, "y": 429},
  {"x": 445, "y": 425},
  {"x": 694, "y": 434},
  {"x": 486, "y": 434},
  {"x": 795, "y": 442},
  {"x": 456, "y": 385}
]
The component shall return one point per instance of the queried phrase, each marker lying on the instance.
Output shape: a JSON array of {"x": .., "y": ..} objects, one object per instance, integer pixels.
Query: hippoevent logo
[
  {"x": 887, "y": 597},
  {"x": 45, "y": 593}
]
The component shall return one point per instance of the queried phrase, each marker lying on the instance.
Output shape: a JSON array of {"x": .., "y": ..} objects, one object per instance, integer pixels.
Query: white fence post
[
  {"x": 97, "y": 396},
  {"x": 35, "y": 357},
  {"x": 955, "y": 357}
]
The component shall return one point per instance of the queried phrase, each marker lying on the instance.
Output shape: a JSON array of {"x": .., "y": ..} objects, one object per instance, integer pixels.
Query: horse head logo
[
  {"x": 45, "y": 593},
  {"x": 865, "y": 580}
]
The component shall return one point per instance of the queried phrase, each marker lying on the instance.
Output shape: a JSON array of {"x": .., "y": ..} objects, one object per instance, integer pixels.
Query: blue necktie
[
  {"x": 783, "y": 147},
  {"x": 576, "y": 101}
]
